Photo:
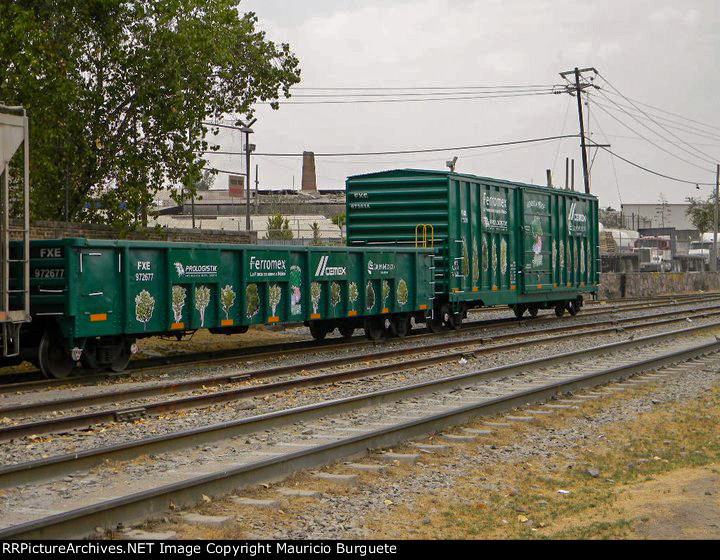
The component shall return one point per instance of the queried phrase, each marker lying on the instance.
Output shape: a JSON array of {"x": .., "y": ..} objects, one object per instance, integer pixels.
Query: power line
[
  {"x": 416, "y": 94},
  {"x": 401, "y": 152},
  {"x": 711, "y": 158},
  {"x": 659, "y": 174},
  {"x": 415, "y": 88},
  {"x": 365, "y": 101},
  {"x": 648, "y": 140},
  {"x": 668, "y": 112}
]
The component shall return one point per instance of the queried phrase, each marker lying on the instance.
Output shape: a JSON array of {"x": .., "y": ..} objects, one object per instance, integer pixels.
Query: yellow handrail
[{"x": 424, "y": 239}]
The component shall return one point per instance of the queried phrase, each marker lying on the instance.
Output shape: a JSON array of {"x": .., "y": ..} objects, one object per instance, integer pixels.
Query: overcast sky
[{"x": 660, "y": 53}]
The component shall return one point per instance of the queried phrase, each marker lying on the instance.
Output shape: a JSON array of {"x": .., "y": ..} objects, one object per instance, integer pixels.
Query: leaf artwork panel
[
  {"x": 353, "y": 294},
  {"x": 334, "y": 294},
  {"x": 253, "y": 300},
  {"x": 582, "y": 257},
  {"x": 475, "y": 264},
  {"x": 315, "y": 293},
  {"x": 178, "y": 302},
  {"x": 227, "y": 298},
  {"x": 485, "y": 261},
  {"x": 369, "y": 296},
  {"x": 144, "y": 307},
  {"x": 274, "y": 296},
  {"x": 385, "y": 292},
  {"x": 503, "y": 256},
  {"x": 402, "y": 292},
  {"x": 202, "y": 299},
  {"x": 295, "y": 290},
  {"x": 494, "y": 257}
]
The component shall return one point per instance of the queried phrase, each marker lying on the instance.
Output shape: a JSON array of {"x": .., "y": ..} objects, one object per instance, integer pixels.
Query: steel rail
[
  {"x": 303, "y": 347},
  {"x": 118, "y": 414},
  {"x": 82, "y": 521},
  {"x": 40, "y": 469}
]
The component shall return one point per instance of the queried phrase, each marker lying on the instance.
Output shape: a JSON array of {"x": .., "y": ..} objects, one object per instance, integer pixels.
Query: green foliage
[
  {"x": 117, "y": 92},
  {"x": 253, "y": 300},
  {"x": 702, "y": 213},
  {"x": 339, "y": 220},
  {"x": 315, "y": 233},
  {"x": 278, "y": 227}
]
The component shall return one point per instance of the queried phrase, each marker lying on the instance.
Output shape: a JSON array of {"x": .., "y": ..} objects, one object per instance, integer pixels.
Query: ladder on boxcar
[{"x": 14, "y": 224}]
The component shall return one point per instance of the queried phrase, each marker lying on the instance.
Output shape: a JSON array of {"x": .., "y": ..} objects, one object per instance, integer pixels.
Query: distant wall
[
  {"x": 54, "y": 230},
  {"x": 645, "y": 284}
]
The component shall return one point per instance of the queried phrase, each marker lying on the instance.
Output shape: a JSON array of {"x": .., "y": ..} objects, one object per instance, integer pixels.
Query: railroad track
[
  {"x": 438, "y": 353},
  {"x": 8, "y": 383},
  {"x": 341, "y": 428}
]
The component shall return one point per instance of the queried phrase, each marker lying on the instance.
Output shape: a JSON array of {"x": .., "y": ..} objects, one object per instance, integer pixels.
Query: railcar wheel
[
  {"x": 374, "y": 329},
  {"x": 572, "y": 308},
  {"x": 121, "y": 361},
  {"x": 559, "y": 310},
  {"x": 346, "y": 331},
  {"x": 318, "y": 332},
  {"x": 400, "y": 326},
  {"x": 455, "y": 321},
  {"x": 519, "y": 310},
  {"x": 533, "y": 310},
  {"x": 54, "y": 360},
  {"x": 435, "y": 325}
]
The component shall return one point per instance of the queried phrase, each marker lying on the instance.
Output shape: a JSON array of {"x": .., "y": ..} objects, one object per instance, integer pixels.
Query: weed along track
[{"x": 182, "y": 467}]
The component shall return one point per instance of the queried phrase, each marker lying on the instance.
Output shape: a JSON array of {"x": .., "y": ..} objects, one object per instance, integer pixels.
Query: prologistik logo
[{"x": 383, "y": 268}]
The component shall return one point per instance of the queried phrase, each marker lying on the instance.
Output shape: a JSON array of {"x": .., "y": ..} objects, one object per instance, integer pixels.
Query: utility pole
[
  {"x": 248, "y": 148},
  {"x": 578, "y": 92},
  {"x": 713, "y": 265},
  {"x": 257, "y": 185}
]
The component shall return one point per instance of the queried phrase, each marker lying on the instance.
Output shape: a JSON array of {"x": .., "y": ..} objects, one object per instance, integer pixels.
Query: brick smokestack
[{"x": 309, "y": 181}]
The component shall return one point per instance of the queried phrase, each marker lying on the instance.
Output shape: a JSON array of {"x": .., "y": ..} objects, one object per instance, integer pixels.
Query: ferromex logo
[
  {"x": 324, "y": 270},
  {"x": 383, "y": 268},
  {"x": 191, "y": 270}
]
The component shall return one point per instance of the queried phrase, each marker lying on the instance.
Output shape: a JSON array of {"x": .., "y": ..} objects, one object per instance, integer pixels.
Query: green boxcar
[
  {"x": 495, "y": 242},
  {"x": 91, "y": 299}
]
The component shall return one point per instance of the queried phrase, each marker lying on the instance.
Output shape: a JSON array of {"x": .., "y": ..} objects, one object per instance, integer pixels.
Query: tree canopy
[
  {"x": 702, "y": 213},
  {"x": 117, "y": 92}
]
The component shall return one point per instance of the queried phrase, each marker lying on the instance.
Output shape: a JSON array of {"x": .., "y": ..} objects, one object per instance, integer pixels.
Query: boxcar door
[
  {"x": 99, "y": 281},
  {"x": 537, "y": 237}
]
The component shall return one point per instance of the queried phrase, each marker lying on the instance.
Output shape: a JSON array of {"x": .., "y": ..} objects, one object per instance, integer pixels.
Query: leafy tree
[
  {"x": 702, "y": 213},
  {"x": 369, "y": 296},
  {"x": 117, "y": 92},
  {"x": 315, "y": 233},
  {"x": 278, "y": 227},
  {"x": 339, "y": 220},
  {"x": 334, "y": 294}
]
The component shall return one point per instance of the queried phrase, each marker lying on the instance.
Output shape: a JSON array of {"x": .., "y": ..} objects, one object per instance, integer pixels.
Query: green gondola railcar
[
  {"x": 91, "y": 299},
  {"x": 495, "y": 242}
]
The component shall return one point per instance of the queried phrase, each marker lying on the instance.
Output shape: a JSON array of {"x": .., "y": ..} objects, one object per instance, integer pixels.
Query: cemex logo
[{"x": 324, "y": 270}]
